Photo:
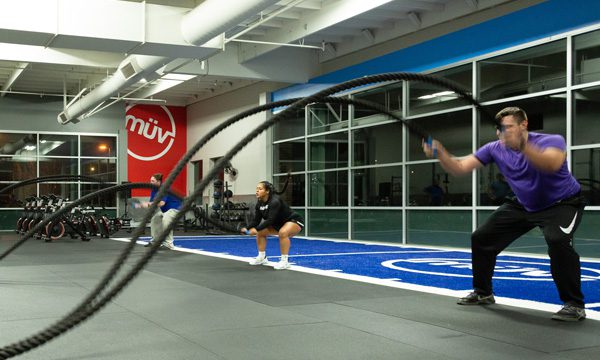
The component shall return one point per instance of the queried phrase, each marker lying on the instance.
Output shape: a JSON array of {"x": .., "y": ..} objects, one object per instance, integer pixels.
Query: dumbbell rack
[{"x": 223, "y": 209}]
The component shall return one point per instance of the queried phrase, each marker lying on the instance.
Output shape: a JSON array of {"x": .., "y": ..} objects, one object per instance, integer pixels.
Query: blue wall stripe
[{"x": 536, "y": 22}]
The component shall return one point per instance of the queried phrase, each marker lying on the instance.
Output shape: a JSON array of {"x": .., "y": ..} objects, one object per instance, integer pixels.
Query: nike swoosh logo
[{"x": 569, "y": 228}]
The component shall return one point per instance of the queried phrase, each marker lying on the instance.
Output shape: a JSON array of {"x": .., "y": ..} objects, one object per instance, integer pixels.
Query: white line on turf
[{"x": 527, "y": 304}]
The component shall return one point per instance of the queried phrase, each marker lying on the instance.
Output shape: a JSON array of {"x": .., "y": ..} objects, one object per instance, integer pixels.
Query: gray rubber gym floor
[{"x": 188, "y": 306}]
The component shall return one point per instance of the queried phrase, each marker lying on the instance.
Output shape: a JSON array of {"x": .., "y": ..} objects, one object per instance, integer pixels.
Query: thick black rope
[
  {"x": 72, "y": 319},
  {"x": 86, "y": 310},
  {"x": 51, "y": 178},
  {"x": 333, "y": 100},
  {"x": 67, "y": 208}
]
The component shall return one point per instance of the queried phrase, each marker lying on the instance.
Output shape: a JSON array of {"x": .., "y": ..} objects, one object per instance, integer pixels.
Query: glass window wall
[
  {"x": 425, "y": 97},
  {"x": 288, "y": 156},
  {"x": 362, "y": 194},
  {"x": 327, "y": 117},
  {"x": 328, "y": 151},
  {"x": 586, "y": 57},
  {"x": 389, "y": 97},
  {"x": 58, "y": 145},
  {"x": 328, "y": 223},
  {"x": 374, "y": 145},
  {"x": 294, "y": 193},
  {"x": 26, "y": 156},
  {"x": 430, "y": 185},
  {"x": 522, "y": 72},
  {"x": 379, "y": 186},
  {"x": 290, "y": 127},
  {"x": 99, "y": 146},
  {"x": 102, "y": 169},
  {"x": 58, "y": 166},
  {"x": 452, "y": 129},
  {"x": 328, "y": 188},
  {"x": 586, "y": 110},
  {"x": 17, "y": 168},
  {"x": 586, "y": 169},
  {"x": 439, "y": 228},
  {"x": 377, "y": 225}
]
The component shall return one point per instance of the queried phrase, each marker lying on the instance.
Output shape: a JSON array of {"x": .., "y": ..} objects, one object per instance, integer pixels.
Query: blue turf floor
[{"x": 516, "y": 276}]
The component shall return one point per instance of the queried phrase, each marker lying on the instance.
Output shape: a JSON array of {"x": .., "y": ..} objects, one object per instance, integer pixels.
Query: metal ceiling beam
[
  {"x": 306, "y": 4},
  {"x": 290, "y": 65},
  {"x": 40, "y": 54},
  {"x": 273, "y": 23},
  {"x": 415, "y": 5},
  {"x": 13, "y": 77},
  {"x": 116, "y": 26},
  {"x": 197, "y": 27},
  {"x": 310, "y": 23}
]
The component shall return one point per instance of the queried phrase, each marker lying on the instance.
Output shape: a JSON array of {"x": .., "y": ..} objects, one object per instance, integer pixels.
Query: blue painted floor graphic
[{"x": 519, "y": 277}]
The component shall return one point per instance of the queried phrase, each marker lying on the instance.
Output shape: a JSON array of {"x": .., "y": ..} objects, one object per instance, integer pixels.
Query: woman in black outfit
[{"x": 277, "y": 219}]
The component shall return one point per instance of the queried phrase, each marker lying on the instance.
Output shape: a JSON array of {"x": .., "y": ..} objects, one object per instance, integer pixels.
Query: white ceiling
[{"x": 77, "y": 56}]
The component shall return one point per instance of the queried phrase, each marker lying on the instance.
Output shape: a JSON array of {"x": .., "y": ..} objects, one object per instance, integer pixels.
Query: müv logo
[
  {"x": 150, "y": 135},
  {"x": 530, "y": 270}
]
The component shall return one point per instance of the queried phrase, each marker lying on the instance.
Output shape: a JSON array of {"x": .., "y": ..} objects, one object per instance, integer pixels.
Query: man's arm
[
  {"x": 549, "y": 159},
  {"x": 148, "y": 203},
  {"x": 451, "y": 164}
]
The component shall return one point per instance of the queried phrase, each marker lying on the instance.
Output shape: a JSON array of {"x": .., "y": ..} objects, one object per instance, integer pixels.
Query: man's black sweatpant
[{"x": 510, "y": 221}]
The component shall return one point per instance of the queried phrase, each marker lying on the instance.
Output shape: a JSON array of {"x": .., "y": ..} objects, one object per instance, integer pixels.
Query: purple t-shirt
[{"x": 535, "y": 189}]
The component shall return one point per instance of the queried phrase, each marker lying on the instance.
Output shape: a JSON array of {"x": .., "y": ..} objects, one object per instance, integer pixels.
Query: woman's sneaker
[
  {"x": 476, "y": 299},
  {"x": 569, "y": 313},
  {"x": 282, "y": 265},
  {"x": 259, "y": 261}
]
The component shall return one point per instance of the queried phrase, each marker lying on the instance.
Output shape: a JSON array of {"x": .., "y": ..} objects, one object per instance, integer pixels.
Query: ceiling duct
[
  {"x": 207, "y": 20},
  {"x": 128, "y": 70}
]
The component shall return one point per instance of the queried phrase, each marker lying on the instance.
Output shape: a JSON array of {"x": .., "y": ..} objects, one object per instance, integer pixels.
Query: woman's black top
[{"x": 274, "y": 211}]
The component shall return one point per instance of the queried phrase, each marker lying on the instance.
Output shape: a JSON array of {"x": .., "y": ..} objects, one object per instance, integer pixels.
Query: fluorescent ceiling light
[
  {"x": 180, "y": 77},
  {"x": 438, "y": 94},
  {"x": 145, "y": 101}
]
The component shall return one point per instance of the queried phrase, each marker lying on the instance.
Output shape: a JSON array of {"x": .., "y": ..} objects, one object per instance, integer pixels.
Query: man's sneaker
[
  {"x": 167, "y": 246},
  {"x": 259, "y": 261},
  {"x": 282, "y": 265},
  {"x": 476, "y": 299},
  {"x": 148, "y": 244},
  {"x": 569, "y": 313}
]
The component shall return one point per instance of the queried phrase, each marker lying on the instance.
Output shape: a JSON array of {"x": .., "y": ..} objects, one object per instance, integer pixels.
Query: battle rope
[{"x": 91, "y": 304}]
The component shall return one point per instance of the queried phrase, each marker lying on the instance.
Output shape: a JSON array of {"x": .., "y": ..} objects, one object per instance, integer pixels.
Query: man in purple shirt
[{"x": 547, "y": 196}]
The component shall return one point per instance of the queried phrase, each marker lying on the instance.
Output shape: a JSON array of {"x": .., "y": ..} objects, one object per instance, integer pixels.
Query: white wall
[{"x": 252, "y": 161}]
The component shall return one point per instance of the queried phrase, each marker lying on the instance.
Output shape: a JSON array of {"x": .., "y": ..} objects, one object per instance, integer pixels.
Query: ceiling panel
[{"x": 44, "y": 78}]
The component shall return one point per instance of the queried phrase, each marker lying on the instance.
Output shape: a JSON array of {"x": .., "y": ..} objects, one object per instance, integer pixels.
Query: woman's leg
[
  {"x": 261, "y": 244},
  {"x": 287, "y": 231},
  {"x": 261, "y": 238}
]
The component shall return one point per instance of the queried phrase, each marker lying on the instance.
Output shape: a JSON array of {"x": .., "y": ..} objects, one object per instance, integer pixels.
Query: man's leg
[
  {"x": 504, "y": 226},
  {"x": 559, "y": 225},
  {"x": 156, "y": 224},
  {"x": 168, "y": 218}
]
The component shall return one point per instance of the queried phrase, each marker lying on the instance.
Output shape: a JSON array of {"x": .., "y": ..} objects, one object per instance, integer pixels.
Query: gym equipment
[{"x": 100, "y": 296}]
